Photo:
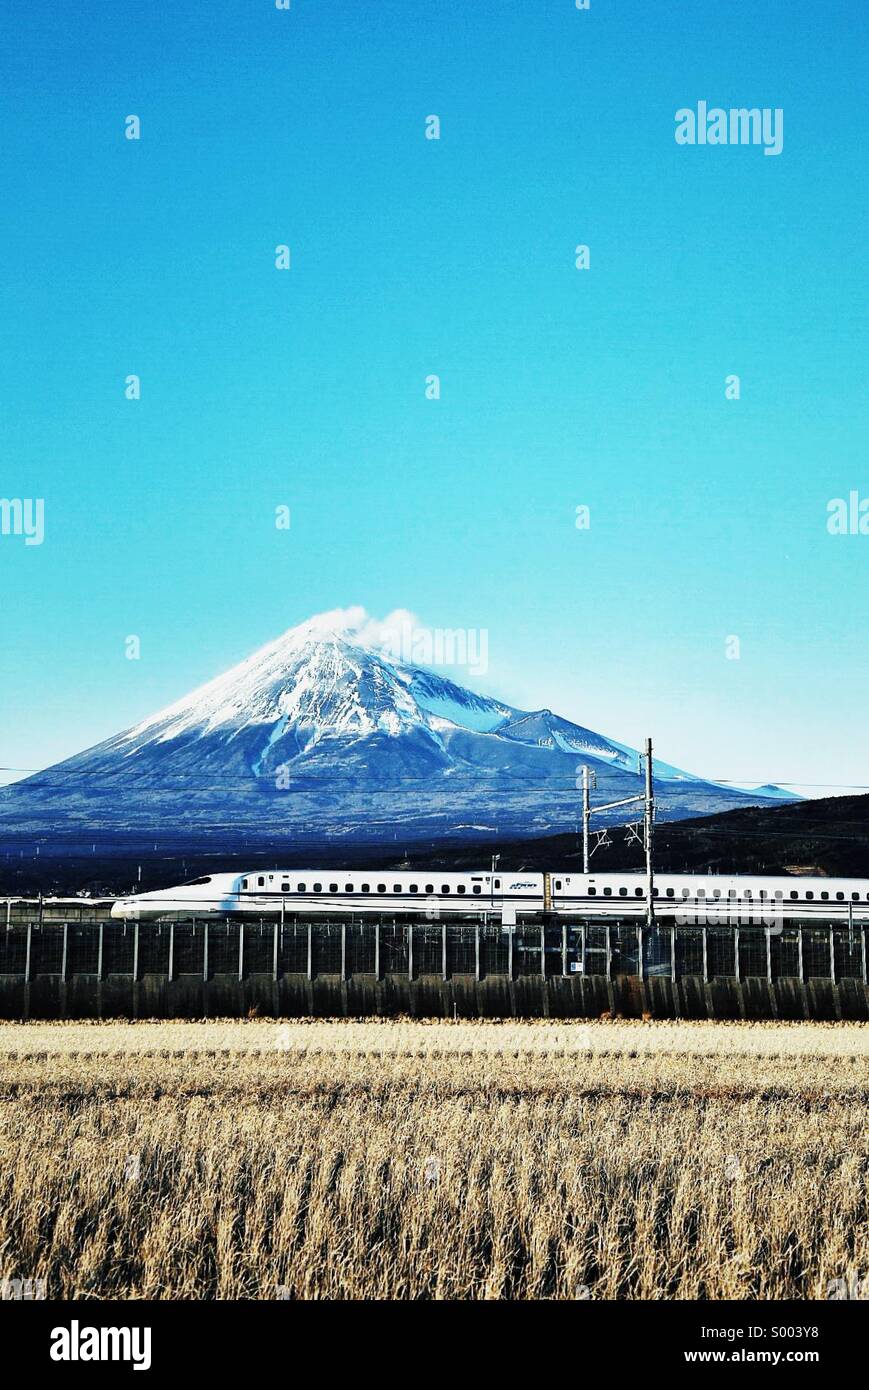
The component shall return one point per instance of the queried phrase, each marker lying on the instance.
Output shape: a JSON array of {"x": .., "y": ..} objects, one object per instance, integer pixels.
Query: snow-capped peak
[
  {"x": 326, "y": 679},
  {"x": 365, "y": 741}
]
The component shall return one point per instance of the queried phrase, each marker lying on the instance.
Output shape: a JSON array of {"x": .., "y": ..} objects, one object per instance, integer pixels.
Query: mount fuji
[{"x": 321, "y": 736}]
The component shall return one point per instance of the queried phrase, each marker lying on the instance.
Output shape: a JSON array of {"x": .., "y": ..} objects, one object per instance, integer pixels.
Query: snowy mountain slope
[
  {"x": 774, "y": 793},
  {"x": 318, "y": 730}
]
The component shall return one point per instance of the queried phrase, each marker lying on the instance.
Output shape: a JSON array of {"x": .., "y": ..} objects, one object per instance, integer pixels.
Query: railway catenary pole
[
  {"x": 586, "y": 815},
  {"x": 649, "y": 818},
  {"x": 647, "y": 797}
]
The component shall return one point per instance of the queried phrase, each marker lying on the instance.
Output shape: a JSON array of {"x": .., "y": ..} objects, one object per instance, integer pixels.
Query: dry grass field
[{"x": 414, "y": 1160}]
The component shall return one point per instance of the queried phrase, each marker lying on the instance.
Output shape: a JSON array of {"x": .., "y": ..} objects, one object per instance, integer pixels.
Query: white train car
[
  {"x": 711, "y": 897},
  {"x": 509, "y": 897},
  {"x": 430, "y": 893}
]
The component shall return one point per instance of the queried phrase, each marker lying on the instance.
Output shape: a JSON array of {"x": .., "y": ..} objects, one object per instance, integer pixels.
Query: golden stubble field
[{"x": 406, "y": 1160}]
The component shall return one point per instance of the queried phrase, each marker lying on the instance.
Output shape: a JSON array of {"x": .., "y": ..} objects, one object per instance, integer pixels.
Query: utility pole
[{"x": 649, "y": 819}]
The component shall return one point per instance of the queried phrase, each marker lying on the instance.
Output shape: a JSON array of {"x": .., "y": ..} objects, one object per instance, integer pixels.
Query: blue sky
[{"x": 409, "y": 257}]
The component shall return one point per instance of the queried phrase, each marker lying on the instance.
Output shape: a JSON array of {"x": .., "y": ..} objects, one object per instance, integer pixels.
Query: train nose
[{"x": 125, "y": 909}]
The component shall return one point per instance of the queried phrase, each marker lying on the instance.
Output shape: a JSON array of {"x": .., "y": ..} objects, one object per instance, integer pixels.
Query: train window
[
  {"x": 855, "y": 897},
  {"x": 655, "y": 893},
  {"x": 318, "y": 887},
  {"x": 762, "y": 893},
  {"x": 592, "y": 892},
  {"x": 244, "y": 884},
  {"x": 261, "y": 882},
  {"x": 747, "y": 893},
  {"x": 607, "y": 892},
  {"x": 794, "y": 895},
  {"x": 840, "y": 897},
  {"x": 333, "y": 888},
  {"x": 348, "y": 887},
  {"x": 429, "y": 887},
  {"x": 671, "y": 892},
  {"x": 381, "y": 887},
  {"x": 810, "y": 895},
  {"x": 461, "y": 888},
  {"x": 366, "y": 888},
  {"x": 300, "y": 887},
  {"x": 623, "y": 892},
  {"x": 638, "y": 892},
  {"x": 285, "y": 888},
  {"x": 558, "y": 884},
  {"x": 477, "y": 888},
  {"x": 445, "y": 887},
  {"x": 825, "y": 897},
  {"x": 779, "y": 894},
  {"x": 686, "y": 892},
  {"x": 497, "y": 883},
  {"x": 414, "y": 888},
  {"x": 731, "y": 892},
  {"x": 716, "y": 892},
  {"x": 701, "y": 892},
  {"x": 396, "y": 887}
]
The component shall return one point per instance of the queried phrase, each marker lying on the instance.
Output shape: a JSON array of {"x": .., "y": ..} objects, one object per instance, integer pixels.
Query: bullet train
[{"x": 508, "y": 897}]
